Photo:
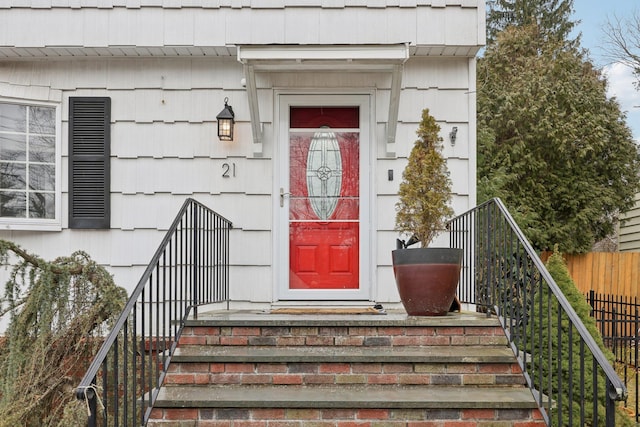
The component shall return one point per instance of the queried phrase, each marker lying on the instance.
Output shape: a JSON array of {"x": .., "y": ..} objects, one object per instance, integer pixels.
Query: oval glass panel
[{"x": 324, "y": 173}]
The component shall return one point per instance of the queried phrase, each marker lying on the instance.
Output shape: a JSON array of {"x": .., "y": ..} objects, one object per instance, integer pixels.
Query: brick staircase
[{"x": 247, "y": 369}]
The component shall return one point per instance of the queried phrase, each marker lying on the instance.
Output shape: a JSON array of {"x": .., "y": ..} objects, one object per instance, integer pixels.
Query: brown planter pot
[{"x": 427, "y": 279}]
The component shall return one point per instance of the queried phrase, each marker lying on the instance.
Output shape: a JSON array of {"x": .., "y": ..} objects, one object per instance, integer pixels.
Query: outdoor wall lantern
[
  {"x": 225, "y": 122},
  {"x": 453, "y": 134}
]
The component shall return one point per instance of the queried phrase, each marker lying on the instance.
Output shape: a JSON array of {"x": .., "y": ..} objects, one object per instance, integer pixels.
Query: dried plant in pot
[{"x": 426, "y": 277}]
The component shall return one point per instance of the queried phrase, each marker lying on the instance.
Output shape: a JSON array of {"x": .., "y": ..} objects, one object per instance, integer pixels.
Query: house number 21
[{"x": 228, "y": 170}]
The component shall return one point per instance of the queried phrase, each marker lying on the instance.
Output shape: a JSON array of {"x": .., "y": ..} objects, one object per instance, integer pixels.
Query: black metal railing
[
  {"x": 571, "y": 379},
  {"x": 618, "y": 319},
  {"x": 189, "y": 268}
]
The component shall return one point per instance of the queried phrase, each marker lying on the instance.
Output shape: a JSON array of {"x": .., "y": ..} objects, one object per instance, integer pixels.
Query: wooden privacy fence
[
  {"x": 610, "y": 282},
  {"x": 614, "y": 273}
]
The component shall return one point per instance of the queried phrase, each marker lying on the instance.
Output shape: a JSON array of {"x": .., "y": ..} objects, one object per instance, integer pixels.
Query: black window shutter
[{"x": 89, "y": 169}]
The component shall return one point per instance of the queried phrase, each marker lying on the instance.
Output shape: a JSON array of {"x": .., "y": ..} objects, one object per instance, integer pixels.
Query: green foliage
[
  {"x": 59, "y": 311},
  {"x": 548, "y": 325},
  {"x": 425, "y": 191},
  {"x": 551, "y": 144},
  {"x": 551, "y": 16},
  {"x": 557, "y": 267}
]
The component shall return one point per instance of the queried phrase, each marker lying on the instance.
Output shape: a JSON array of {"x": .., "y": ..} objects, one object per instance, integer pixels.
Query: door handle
[{"x": 282, "y": 196}]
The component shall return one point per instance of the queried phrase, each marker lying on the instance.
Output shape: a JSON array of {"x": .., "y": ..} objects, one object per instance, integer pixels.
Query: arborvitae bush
[{"x": 425, "y": 191}]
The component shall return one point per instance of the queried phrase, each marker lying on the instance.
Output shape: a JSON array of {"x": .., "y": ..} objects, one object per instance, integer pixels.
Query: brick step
[
  {"x": 190, "y": 417},
  {"x": 252, "y": 369},
  {"x": 346, "y": 405},
  {"x": 480, "y": 365},
  {"x": 432, "y": 354},
  {"x": 348, "y": 396},
  {"x": 321, "y": 331}
]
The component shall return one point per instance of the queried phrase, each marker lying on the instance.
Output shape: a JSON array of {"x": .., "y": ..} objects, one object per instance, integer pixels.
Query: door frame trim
[{"x": 365, "y": 99}]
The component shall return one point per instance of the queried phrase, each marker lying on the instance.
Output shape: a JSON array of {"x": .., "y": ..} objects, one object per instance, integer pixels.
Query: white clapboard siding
[
  {"x": 123, "y": 248},
  {"x": 134, "y": 248},
  {"x": 461, "y": 203},
  {"x": 168, "y": 65},
  {"x": 385, "y": 212},
  {"x": 251, "y": 248},
  {"x": 251, "y": 283},
  {"x": 441, "y": 73},
  {"x": 128, "y": 276},
  {"x": 444, "y": 105},
  {"x": 171, "y": 140},
  {"x": 446, "y": 23},
  {"x": 248, "y": 212},
  {"x": 336, "y": 79},
  {"x": 385, "y": 243},
  {"x": 386, "y": 294},
  {"x": 152, "y": 212},
  {"x": 37, "y": 243},
  {"x": 459, "y": 173}
]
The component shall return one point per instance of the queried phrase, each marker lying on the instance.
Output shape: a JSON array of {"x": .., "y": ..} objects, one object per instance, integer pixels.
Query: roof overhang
[
  {"x": 316, "y": 58},
  {"x": 300, "y": 58}
]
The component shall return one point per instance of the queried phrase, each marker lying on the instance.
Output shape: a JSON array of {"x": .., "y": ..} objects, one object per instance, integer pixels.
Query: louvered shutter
[{"x": 89, "y": 170}]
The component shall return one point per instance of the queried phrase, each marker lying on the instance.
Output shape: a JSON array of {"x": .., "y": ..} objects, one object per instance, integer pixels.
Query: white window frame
[{"x": 42, "y": 224}]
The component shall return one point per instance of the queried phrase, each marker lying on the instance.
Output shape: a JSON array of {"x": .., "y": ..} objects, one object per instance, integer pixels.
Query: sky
[{"x": 593, "y": 15}]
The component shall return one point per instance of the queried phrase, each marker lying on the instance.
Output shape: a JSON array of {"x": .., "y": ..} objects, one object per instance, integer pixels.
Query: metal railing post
[
  {"x": 92, "y": 401},
  {"x": 489, "y": 254},
  {"x": 194, "y": 256},
  {"x": 610, "y": 407}
]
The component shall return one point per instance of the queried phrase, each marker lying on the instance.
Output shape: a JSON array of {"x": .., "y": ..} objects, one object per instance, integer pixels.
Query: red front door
[{"x": 324, "y": 227}]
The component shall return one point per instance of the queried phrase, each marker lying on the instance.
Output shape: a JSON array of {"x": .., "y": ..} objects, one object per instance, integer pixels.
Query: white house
[{"x": 326, "y": 95}]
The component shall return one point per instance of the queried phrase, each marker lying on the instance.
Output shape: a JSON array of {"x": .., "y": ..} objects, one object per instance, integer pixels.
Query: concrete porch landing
[{"x": 393, "y": 317}]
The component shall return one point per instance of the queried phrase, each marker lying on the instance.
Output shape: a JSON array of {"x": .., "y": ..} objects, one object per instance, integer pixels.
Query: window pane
[
  {"x": 42, "y": 177},
  {"x": 13, "y": 117},
  {"x": 41, "y": 205},
  {"x": 13, "y": 204},
  {"x": 27, "y": 161},
  {"x": 42, "y": 120},
  {"x": 42, "y": 149},
  {"x": 13, "y": 147},
  {"x": 315, "y": 117},
  {"x": 13, "y": 175},
  {"x": 324, "y": 175}
]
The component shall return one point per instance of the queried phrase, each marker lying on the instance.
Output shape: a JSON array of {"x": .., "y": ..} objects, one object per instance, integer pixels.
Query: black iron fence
[
  {"x": 189, "y": 268},
  {"x": 618, "y": 319},
  {"x": 571, "y": 378}
]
